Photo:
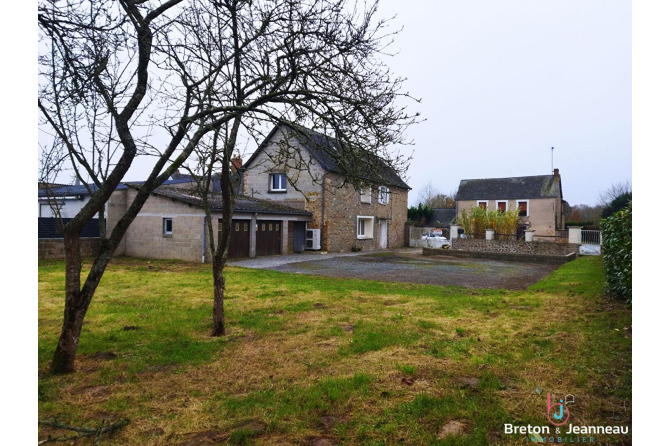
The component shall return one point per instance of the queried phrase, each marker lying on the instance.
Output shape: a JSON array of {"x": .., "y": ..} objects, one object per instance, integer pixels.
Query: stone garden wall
[{"x": 515, "y": 247}]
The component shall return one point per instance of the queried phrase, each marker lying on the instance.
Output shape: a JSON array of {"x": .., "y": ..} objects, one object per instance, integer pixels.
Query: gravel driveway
[{"x": 408, "y": 266}]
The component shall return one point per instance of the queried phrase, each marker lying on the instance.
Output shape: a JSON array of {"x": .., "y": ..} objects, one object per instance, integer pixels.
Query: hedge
[{"x": 617, "y": 252}]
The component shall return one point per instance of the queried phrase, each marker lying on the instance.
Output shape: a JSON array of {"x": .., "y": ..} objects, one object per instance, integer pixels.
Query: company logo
[{"x": 559, "y": 416}]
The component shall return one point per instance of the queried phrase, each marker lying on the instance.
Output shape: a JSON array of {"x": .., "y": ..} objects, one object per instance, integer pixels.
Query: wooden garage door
[
  {"x": 268, "y": 237},
  {"x": 239, "y": 239}
]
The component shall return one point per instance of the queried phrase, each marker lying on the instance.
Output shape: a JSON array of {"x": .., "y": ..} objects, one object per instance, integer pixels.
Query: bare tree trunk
[
  {"x": 219, "y": 328},
  {"x": 73, "y": 317},
  {"x": 221, "y": 254}
]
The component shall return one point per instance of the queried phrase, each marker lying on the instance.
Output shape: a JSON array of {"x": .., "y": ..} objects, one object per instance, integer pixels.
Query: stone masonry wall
[
  {"x": 54, "y": 248},
  {"x": 343, "y": 205},
  {"x": 517, "y": 247}
]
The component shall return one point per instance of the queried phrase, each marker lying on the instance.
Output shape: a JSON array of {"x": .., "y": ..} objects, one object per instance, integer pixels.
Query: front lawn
[{"x": 310, "y": 359}]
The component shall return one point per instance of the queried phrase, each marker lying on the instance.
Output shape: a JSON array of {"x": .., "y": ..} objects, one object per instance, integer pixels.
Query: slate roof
[
  {"x": 80, "y": 189},
  {"x": 216, "y": 182},
  {"x": 324, "y": 150},
  {"x": 242, "y": 202},
  {"x": 441, "y": 216},
  {"x": 69, "y": 190},
  {"x": 539, "y": 186}
]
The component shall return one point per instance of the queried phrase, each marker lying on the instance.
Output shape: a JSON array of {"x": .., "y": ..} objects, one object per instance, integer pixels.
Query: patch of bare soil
[
  {"x": 257, "y": 427},
  {"x": 453, "y": 427},
  {"x": 494, "y": 437},
  {"x": 94, "y": 391},
  {"x": 105, "y": 355},
  {"x": 466, "y": 382},
  {"x": 327, "y": 422},
  {"x": 155, "y": 432}
]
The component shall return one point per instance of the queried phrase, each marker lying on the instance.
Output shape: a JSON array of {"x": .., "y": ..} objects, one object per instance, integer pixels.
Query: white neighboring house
[{"x": 70, "y": 199}]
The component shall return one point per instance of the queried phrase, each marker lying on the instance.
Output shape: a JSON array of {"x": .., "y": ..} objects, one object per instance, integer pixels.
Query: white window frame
[
  {"x": 272, "y": 189},
  {"x": 365, "y": 194},
  {"x": 383, "y": 195},
  {"x": 527, "y": 201},
  {"x": 506, "y": 204},
  {"x": 486, "y": 202},
  {"x": 368, "y": 225},
  {"x": 165, "y": 231}
]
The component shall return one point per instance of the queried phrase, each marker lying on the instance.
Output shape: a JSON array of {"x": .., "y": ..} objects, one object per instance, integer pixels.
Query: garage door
[
  {"x": 268, "y": 237},
  {"x": 239, "y": 239}
]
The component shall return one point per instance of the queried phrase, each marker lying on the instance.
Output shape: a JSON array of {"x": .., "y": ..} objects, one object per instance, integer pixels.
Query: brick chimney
[
  {"x": 555, "y": 173},
  {"x": 236, "y": 162}
]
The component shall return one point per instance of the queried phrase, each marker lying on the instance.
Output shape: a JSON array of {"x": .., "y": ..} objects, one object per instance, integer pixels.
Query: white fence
[
  {"x": 590, "y": 242},
  {"x": 590, "y": 237},
  {"x": 428, "y": 237}
]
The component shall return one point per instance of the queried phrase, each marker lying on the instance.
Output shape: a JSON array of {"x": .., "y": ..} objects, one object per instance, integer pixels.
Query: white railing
[{"x": 590, "y": 237}]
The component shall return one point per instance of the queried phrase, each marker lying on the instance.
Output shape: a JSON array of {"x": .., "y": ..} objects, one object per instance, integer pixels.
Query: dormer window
[{"x": 277, "y": 182}]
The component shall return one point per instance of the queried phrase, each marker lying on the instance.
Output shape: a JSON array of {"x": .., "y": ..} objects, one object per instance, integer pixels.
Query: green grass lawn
[{"x": 356, "y": 362}]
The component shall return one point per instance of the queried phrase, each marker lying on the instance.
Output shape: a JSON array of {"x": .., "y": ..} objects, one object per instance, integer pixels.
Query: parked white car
[{"x": 434, "y": 237}]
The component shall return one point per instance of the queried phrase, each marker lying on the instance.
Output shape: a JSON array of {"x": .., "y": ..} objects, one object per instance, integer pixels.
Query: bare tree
[
  {"x": 306, "y": 65},
  {"x": 431, "y": 196},
  {"x": 162, "y": 78},
  {"x": 606, "y": 196},
  {"x": 585, "y": 214}
]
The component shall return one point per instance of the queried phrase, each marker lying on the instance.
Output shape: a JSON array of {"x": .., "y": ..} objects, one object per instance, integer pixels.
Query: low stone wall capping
[
  {"x": 54, "y": 248},
  {"x": 514, "y": 247}
]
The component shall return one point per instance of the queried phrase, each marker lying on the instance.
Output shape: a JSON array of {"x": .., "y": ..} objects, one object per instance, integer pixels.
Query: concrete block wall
[
  {"x": 145, "y": 237},
  {"x": 54, "y": 248},
  {"x": 116, "y": 207}
]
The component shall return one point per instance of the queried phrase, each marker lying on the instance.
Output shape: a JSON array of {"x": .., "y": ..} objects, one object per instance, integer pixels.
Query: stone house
[
  {"x": 302, "y": 171},
  {"x": 539, "y": 199},
  {"x": 276, "y": 203}
]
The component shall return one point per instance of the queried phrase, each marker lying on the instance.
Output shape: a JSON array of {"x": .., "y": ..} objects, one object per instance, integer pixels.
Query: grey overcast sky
[{"x": 501, "y": 82}]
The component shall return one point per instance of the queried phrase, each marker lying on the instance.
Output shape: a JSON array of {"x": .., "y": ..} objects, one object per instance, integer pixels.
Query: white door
[{"x": 383, "y": 234}]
